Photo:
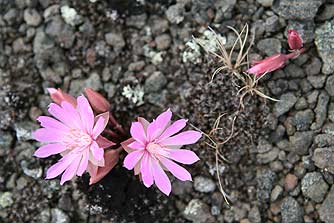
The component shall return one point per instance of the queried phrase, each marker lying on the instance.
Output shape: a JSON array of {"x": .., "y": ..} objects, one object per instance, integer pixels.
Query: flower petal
[
  {"x": 48, "y": 135},
  {"x": 71, "y": 170},
  {"x": 178, "y": 171},
  {"x": 173, "y": 129},
  {"x": 83, "y": 163},
  {"x": 48, "y": 122},
  {"x": 182, "y": 156},
  {"x": 183, "y": 138},
  {"x": 49, "y": 149},
  {"x": 97, "y": 151},
  {"x": 56, "y": 169},
  {"x": 100, "y": 125},
  {"x": 161, "y": 178},
  {"x": 144, "y": 122},
  {"x": 155, "y": 129},
  {"x": 86, "y": 113},
  {"x": 132, "y": 159},
  {"x": 146, "y": 170},
  {"x": 137, "y": 132},
  {"x": 63, "y": 115}
]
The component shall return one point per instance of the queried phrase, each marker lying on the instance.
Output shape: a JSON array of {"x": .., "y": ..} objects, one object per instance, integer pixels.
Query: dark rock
[
  {"x": 287, "y": 101},
  {"x": 62, "y": 33},
  {"x": 32, "y": 17},
  {"x": 314, "y": 186},
  {"x": 291, "y": 211},
  {"x": 163, "y": 41},
  {"x": 326, "y": 14},
  {"x": 321, "y": 111},
  {"x": 272, "y": 24},
  {"x": 317, "y": 81},
  {"x": 115, "y": 39},
  {"x": 324, "y": 158},
  {"x": 265, "y": 179},
  {"x": 276, "y": 193},
  {"x": 294, "y": 71},
  {"x": 326, "y": 210},
  {"x": 197, "y": 211},
  {"x": 155, "y": 82},
  {"x": 314, "y": 67},
  {"x": 303, "y": 119},
  {"x": 324, "y": 140},
  {"x": 301, "y": 141},
  {"x": 324, "y": 40},
  {"x": 267, "y": 157},
  {"x": 330, "y": 85},
  {"x": 269, "y": 46},
  {"x": 297, "y": 9},
  {"x": 175, "y": 13},
  {"x": 6, "y": 140}
]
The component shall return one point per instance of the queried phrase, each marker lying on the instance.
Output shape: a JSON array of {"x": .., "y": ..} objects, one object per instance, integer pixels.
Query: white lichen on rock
[
  {"x": 70, "y": 15},
  {"x": 136, "y": 95}
]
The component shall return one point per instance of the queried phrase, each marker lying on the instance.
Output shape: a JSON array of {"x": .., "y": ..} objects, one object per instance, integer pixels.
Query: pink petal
[
  {"x": 160, "y": 178},
  {"x": 56, "y": 169},
  {"x": 58, "y": 96},
  {"x": 83, "y": 163},
  {"x": 159, "y": 125},
  {"x": 97, "y": 151},
  {"x": 104, "y": 142},
  {"x": 144, "y": 122},
  {"x": 183, "y": 138},
  {"x": 178, "y": 171},
  {"x": 86, "y": 113},
  {"x": 111, "y": 158},
  {"x": 63, "y": 115},
  {"x": 100, "y": 125},
  {"x": 73, "y": 114},
  {"x": 137, "y": 132},
  {"x": 92, "y": 169},
  {"x": 49, "y": 149},
  {"x": 132, "y": 159},
  {"x": 48, "y": 135},
  {"x": 182, "y": 156},
  {"x": 146, "y": 170},
  {"x": 125, "y": 145},
  {"x": 136, "y": 145},
  {"x": 71, "y": 170},
  {"x": 173, "y": 129},
  {"x": 48, "y": 122}
]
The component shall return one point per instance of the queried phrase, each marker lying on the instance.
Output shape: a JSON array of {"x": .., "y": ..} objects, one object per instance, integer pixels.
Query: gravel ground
[{"x": 139, "y": 55}]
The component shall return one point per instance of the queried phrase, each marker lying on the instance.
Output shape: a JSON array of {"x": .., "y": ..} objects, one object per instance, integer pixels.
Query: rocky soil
[{"x": 139, "y": 54}]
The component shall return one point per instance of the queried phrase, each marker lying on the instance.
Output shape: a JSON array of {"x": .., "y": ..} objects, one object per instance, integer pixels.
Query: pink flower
[
  {"x": 294, "y": 40},
  {"x": 155, "y": 145},
  {"x": 74, "y": 133},
  {"x": 97, "y": 101},
  {"x": 59, "y": 96},
  {"x": 268, "y": 64}
]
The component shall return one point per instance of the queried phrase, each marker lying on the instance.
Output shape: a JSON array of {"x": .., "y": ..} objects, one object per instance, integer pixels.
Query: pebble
[
  {"x": 163, "y": 41},
  {"x": 314, "y": 186},
  {"x": 276, "y": 193},
  {"x": 287, "y": 101},
  {"x": 6, "y": 140},
  {"x": 181, "y": 188},
  {"x": 266, "y": 3},
  {"x": 303, "y": 119},
  {"x": 175, "y": 13},
  {"x": 115, "y": 39},
  {"x": 301, "y": 141},
  {"x": 204, "y": 184},
  {"x": 291, "y": 211},
  {"x": 297, "y": 9},
  {"x": 290, "y": 182},
  {"x": 267, "y": 157},
  {"x": 326, "y": 211},
  {"x": 324, "y": 158},
  {"x": 155, "y": 82},
  {"x": 313, "y": 67},
  {"x": 32, "y": 17},
  {"x": 6, "y": 199},
  {"x": 321, "y": 111},
  {"x": 24, "y": 130},
  {"x": 197, "y": 211},
  {"x": 324, "y": 41},
  {"x": 269, "y": 46},
  {"x": 59, "y": 216},
  {"x": 265, "y": 179},
  {"x": 330, "y": 85}
]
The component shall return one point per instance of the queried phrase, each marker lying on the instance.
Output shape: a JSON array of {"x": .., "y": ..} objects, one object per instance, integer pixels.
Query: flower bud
[
  {"x": 97, "y": 101},
  {"x": 58, "y": 96},
  {"x": 294, "y": 40}
]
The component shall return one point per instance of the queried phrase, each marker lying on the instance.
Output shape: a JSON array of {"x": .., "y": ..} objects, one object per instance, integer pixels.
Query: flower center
[
  {"x": 155, "y": 149},
  {"x": 78, "y": 139}
]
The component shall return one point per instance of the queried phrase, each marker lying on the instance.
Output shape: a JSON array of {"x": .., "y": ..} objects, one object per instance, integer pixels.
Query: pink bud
[
  {"x": 294, "y": 40},
  {"x": 97, "y": 101},
  {"x": 97, "y": 173},
  {"x": 268, "y": 64},
  {"x": 58, "y": 96}
]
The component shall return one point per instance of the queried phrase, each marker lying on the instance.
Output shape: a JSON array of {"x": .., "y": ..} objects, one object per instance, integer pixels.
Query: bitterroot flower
[
  {"x": 74, "y": 132},
  {"x": 294, "y": 40},
  {"x": 155, "y": 146}
]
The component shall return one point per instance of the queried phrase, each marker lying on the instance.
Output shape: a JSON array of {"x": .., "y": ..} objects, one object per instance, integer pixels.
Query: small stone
[
  {"x": 326, "y": 210},
  {"x": 34, "y": 172},
  {"x": 61, "y": 32},
  {"x": 265, "y": 179},
  {"x": 155, "y": 82},
  {"x": 58, "y": 216},
  {"x": 6, "y": 141},
  {"x": 324, "y": 158},
  {"x": 294, "y": 71},
  {"x": 331, "y": 112},
  {"x": 159, "y": 25},
  {"x": 115, "y": 40},
  {"x": 136, "y": 66},
  {"x": 269, "y": 46},
  {"x": 70, "y": 15},
  {"x": 314, "y": 67},
  {"x": 267, "y": 157},
  {"x": 137, "y": 21},
  {"x": 163, "y": 41},
  {"x": 287, "y": 101},
  {"x": 181, "y": 188},
  {"x": 44, "y": 216},
  {"x": 314, "y": 186},
  {"x": 31, "y": 17},
  {"x": 317, "y": 81},
  {"x": 24, "y": 130},
  {"x": 204, "y": 184},
  {"x": 324, "y": 40},
  {"x": 6, "y": 199},
  {"x": 330, "y": 85},
  {"x": 303, "y": 120},
  {"x": 254, "y": 215},
  {"x": 291, "y": 211},
  {"x": 290, "y": 182},
  {"x": 327, "y": 13},
  {"x": 197, "y": 211},
  {"x": 175, "y": 13},
  {"x": 276, "y": 193},
  {"x": 321, "y": 111},
  {"x": 110, "y": 88},
  {"x": 301, "y": 141},
  {"x": 297, "y": 9},
  {"x": 266, "y": 3},
  {"x": 272, "y": 24}
]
